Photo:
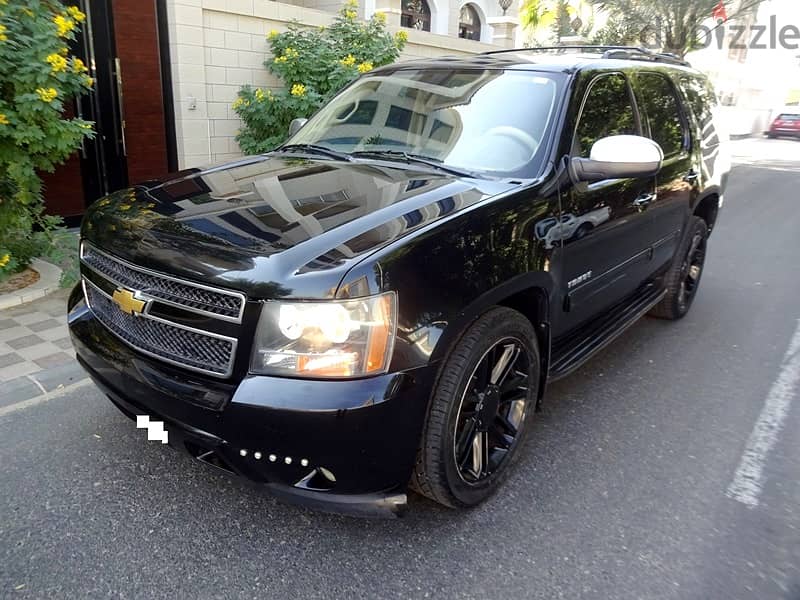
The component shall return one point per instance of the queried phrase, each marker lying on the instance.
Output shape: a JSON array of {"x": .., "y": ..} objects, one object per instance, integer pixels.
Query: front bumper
[{"x": 342, "y": 446}]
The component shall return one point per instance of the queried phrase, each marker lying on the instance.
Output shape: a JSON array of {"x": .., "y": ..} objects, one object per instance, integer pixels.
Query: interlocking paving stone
[
  {"x": 35, "y": 342},
  {"x": 61, "y": 375},
  {"x": 6, "y": 360},
  {"x": 18, "y": 390},
  {"x": 25, "y": 341},
  {"x": 54, "y": 360},
  {"x": 13, "y": 333},
  {"x": 48, "y": 324},
  {"x": 38, "y": 350},
  {"x": 53, "y": 334},
  {"x": 64, "y": 343},
  {"x": 17, "y": 370},
  {"x": 31, "y": 318}
]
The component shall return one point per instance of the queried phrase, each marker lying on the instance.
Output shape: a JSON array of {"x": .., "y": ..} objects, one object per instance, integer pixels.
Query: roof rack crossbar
[{"x": 607, "y": 51}]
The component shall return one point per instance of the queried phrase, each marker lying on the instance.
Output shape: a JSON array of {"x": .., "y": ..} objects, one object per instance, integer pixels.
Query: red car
[{"x": 785, "y": 124}]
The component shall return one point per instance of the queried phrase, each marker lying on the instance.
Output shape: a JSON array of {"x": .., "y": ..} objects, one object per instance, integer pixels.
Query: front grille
[
  {"x": 189, "y": 348},
  {"x": 193, "y": 297}
]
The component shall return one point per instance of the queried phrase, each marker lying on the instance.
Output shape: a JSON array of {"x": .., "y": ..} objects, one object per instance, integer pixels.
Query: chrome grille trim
[
  {"x": 187, "y": 295},
  {"x": 169, "y": 342}
]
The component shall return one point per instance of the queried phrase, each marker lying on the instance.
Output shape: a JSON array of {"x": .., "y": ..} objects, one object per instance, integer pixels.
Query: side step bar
[{"x": 572, "y": 351}]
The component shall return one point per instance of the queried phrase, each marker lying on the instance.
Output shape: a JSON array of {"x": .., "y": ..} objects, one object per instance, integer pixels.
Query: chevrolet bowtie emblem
[{"x": 128, "y": 302}]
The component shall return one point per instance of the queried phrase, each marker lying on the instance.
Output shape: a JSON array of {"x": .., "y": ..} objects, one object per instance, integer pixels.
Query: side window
[
  {"x": 607, "y": 110},
  {"x": 701, "y": 99},
  {"x": 663, "y": 112}
]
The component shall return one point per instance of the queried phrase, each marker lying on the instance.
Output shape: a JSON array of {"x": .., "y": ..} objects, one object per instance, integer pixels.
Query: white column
[{"x": 503, "y": 30}]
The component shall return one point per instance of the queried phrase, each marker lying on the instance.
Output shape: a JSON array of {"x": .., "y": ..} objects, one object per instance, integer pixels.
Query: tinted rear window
[{"x": 788, "y": 117}]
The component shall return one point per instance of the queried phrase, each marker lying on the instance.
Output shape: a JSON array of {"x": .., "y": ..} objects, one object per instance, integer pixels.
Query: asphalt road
[{"x": 620, "y": 492}]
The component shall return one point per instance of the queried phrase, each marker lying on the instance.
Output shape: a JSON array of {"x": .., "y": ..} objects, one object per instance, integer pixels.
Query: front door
[{"x": 606, "y": 250}]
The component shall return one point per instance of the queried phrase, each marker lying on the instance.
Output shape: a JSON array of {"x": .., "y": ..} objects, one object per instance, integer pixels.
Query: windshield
[{"x": 488, "y": 121}]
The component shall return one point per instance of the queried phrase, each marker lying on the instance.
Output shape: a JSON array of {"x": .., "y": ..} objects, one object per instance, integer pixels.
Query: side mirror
[
  {"x": 296, "y": 125},
  {"x": 618, "y": 157}
]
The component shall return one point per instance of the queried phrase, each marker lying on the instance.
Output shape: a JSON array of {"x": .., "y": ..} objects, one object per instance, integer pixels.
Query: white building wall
[{"x": 216, "y": 46}]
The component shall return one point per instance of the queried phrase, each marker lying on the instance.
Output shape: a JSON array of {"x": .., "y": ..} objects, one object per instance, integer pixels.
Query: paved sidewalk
[{"x": 36, "y": 355}]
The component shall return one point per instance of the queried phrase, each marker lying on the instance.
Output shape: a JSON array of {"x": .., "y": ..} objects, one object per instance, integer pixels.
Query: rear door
[
  {"x": 606, "y": 245},
  {"x": 666, "y": 121}
]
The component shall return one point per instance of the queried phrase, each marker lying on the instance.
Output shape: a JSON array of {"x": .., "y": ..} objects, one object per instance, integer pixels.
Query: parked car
[
  {"x": 785, "y": 124},
  {"x": 570, "y": 227},
  {"x": 377, "y": 304}
]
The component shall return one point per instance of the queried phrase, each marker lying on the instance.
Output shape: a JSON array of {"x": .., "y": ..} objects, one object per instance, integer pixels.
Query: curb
[
  {"x": 58, "y": 392},
  {"x": 49, "y": 282}
]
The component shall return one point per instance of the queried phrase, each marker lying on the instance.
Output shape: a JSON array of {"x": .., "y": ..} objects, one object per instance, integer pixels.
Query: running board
[{"x": 572, "y": 351}]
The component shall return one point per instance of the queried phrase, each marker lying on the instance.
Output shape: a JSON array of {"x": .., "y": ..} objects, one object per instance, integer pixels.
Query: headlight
[{"x": 348, "y": 338}]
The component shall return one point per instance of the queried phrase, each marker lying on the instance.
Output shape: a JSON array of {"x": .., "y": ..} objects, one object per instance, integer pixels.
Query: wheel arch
[
  {"x": 707, "y": 208},
  {"x": 528, "y": 294}
]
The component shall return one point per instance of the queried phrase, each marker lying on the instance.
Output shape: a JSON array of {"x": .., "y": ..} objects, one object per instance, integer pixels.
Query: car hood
[{"x": 276, "y": 227}]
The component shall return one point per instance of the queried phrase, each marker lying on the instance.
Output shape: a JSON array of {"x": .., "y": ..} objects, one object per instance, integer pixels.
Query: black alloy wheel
[
  {"x": 480, "y": 410},
  {"x": 492, "y": 410},
  {"x": 692, "y": 269},
  {"x": 683, "y": 278}
]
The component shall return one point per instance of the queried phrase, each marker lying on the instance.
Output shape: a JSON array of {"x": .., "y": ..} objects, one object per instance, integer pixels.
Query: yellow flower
[
  {"x": 350, "y": 14},
  {"x": 75, "y": 13},
  {"x": 380, "y": 16},
  {"x": 401, "y": 36},
  {"x": 57, "y": 62},
  {"x": 352, "y": 3},
  {"x": 348, "y": 61},
  {"x": 259, "y": 94},
  {"x": 63, "y": 51},
  {"x": 364, "y": 67},
  {"x": 272, "y": 34},
  {"x": 88, "y": 81},
  {"x": 290, "y": 52},
  {"x": 281, "y": 59},
  {"x": 298, "y": 89},
  {"x": 4, "y": 260},
  {"x": 64, "y": 25},
  {"x": 47, "y": 94},
  {"x": 85, "y": 125},
  {"x": 3, "y": 36},
  {"x": 237, "y": 103},
  {"x": 78, "y": 66},
  {"x": 3, "y": 119}
]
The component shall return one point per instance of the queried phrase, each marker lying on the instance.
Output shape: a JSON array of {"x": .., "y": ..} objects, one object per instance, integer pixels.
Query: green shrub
[
  {"x": 38, "y": 77},
  {"x": 314, "y": 64}
]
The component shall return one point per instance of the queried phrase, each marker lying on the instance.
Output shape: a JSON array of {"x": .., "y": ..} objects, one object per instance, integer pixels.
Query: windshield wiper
[
  {"x": 316, "y": 149},
  {"x": 413, "y": 158}
]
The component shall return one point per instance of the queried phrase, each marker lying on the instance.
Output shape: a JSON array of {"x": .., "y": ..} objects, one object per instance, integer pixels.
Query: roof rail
[{"x": 617, "y": 52}]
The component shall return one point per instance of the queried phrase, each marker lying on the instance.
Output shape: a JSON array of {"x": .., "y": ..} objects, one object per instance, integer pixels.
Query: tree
[
  {"x": 314, "y": 64},
  {"x": 673, "y": 25},
  {"x": 559, "y": 17},
  {"x": 38, "y": 78}
]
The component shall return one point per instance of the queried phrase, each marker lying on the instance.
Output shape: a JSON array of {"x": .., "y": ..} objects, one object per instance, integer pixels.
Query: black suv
[{"x": 381, "y": 301}]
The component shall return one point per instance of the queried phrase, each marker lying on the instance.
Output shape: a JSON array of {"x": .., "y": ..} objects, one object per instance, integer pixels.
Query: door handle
[
  {"x": 643, "y": 200},
  {"x": 691, "y": 176}
]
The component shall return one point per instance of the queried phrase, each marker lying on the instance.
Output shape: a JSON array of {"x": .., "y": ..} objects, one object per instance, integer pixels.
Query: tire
[
  {"x": 456, "y": 396},
  {"x": 582, "y": 231},
  {"x": 683, "y": 278}
]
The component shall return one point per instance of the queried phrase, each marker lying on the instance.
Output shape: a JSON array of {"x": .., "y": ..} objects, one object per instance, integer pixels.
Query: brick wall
[{"x": 216, "y": 46}]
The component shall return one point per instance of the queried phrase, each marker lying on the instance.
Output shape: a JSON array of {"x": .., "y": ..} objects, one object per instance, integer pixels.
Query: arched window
[
  {"x": 469, "y": 23},
  {"x": 416, "y": 15}
]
